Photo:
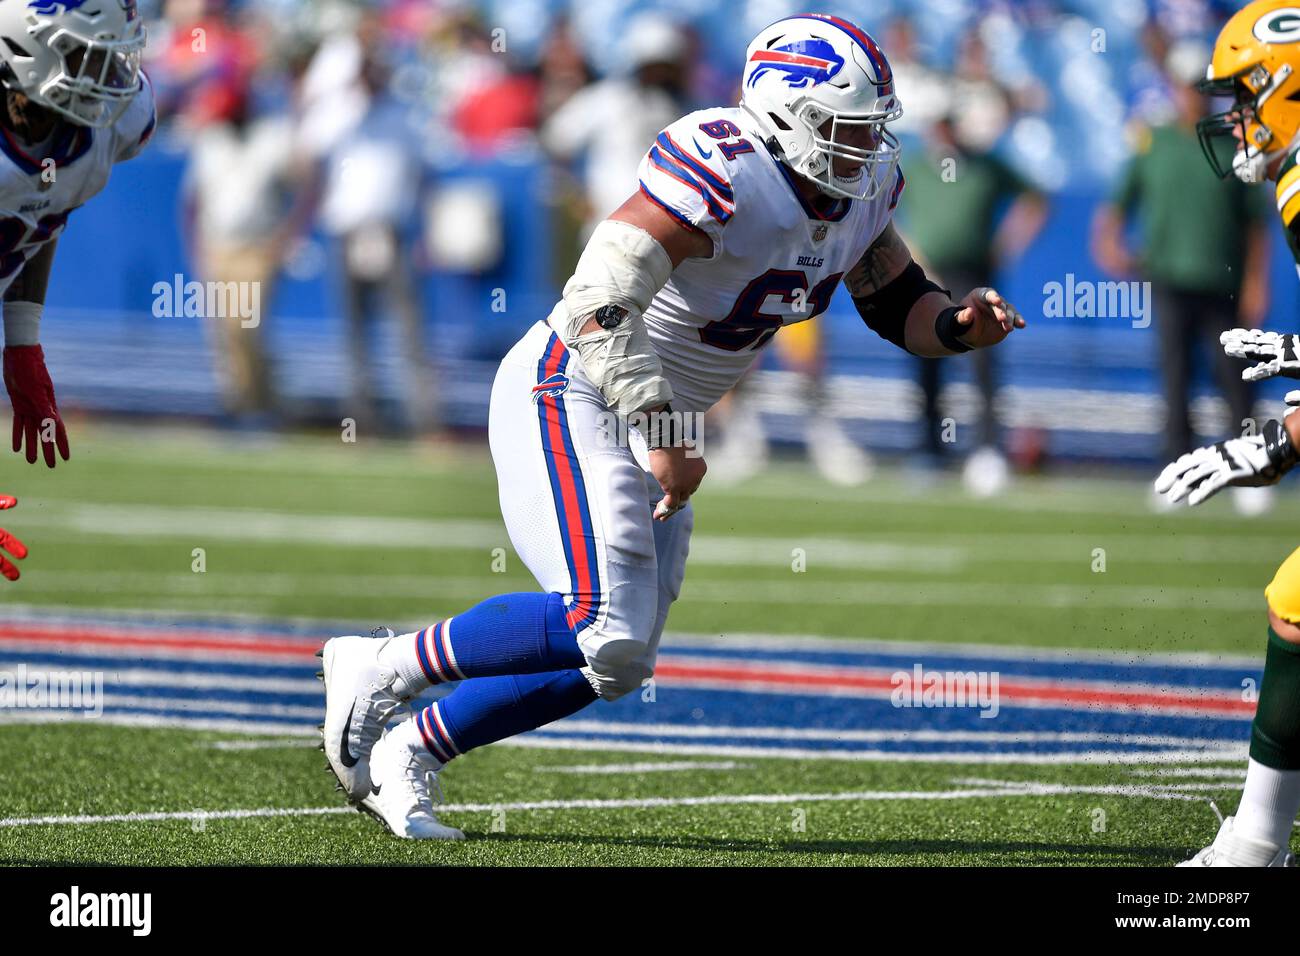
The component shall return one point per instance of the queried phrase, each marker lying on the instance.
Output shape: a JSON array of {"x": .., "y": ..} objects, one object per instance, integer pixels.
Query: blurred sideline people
[
  {"x": 481, "y": 89},
  {"x": 562, "y": 68},
  {"x": 495, "y": 103},
  {"x": 1204, "y": 248},
  {"x": 372, "y": 179},
  {"x": 611, "y": 123},
  {"x": 928, "y": 89},
  {"x": 743, "y": 449},
  {"x": 237, "y": 195},
  {"x": 968, "y": 214}
]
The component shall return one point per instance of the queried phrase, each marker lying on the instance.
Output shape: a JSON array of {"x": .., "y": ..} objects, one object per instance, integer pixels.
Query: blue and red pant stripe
[{"x": 569, "y": 490}]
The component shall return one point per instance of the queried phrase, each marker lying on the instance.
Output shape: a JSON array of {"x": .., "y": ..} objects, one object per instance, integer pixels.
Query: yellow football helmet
[{"x": 1257, "y": 63}]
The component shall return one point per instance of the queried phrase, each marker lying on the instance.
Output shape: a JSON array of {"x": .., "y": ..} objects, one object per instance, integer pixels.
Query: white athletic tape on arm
[
  {"x": 622, "y": 265},
  {"x": 22, "y": 321}
]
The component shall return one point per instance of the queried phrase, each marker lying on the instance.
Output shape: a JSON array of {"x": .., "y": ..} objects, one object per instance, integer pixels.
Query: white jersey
[
  {"x": 37, "y": 192},
  {"x": 776, "y": 260}
]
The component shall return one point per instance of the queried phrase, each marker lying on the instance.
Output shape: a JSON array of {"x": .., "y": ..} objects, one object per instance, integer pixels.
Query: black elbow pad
[{"x": 885, "y": 310}]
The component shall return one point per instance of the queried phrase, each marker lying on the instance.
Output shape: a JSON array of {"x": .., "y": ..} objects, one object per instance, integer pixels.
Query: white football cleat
[
  {"x": 359, "y": 702},
  {"x": 1231, "y": 848},
  {"x": 405, "y": 779}
]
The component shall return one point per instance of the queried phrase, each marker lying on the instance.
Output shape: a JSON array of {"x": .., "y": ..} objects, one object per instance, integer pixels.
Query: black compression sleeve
[{"x": 885, "y": 310}]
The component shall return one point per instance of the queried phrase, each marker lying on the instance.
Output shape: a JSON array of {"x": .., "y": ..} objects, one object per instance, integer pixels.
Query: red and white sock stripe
[
  {"x": 437, "y": 738},
  {"x": 437, "y": 659}
]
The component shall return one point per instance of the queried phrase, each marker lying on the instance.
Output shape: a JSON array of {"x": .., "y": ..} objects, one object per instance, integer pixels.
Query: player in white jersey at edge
[
  {"x": 75, "y": 103},
  {"x": 746, "y": 219}
]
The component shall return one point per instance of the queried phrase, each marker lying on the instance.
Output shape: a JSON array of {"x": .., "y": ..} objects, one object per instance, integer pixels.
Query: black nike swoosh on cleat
[{"x": 345, "y": 755}]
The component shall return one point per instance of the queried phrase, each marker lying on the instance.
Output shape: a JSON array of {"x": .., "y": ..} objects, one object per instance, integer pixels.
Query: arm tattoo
[{"x": 884, "y": 261}]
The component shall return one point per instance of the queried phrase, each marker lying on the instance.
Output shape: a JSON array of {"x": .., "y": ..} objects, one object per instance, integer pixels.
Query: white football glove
[
  {"x": 1276, "y": 353},
  {"x": 1248, "y": 461}
]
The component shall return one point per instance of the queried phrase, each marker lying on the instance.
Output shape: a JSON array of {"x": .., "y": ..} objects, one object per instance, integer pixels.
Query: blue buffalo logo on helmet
[
  {"x": 552, "y": 385},
  {"x": 803, "y": 62},
  {"x": 51, "y": 7}
]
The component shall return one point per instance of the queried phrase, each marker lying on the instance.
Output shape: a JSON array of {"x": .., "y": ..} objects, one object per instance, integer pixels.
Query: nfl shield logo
[{"x": 820, "y": 232}]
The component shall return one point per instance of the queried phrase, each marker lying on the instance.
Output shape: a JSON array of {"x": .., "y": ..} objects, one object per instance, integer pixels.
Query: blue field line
[
  {"x": 686, "y": 715},
  {"x": 1143, "y": 671},
  {"x": 672, "y": 705},
  {"x": 166, "y": 623},
  {"x": 884, "y": 746},
  {"x": 195, "y": 665}
]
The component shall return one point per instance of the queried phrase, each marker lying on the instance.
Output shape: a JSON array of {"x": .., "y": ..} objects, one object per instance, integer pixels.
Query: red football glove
[
  {"x": 32, "y": 394},
  {"x": 9, "y": 543}
]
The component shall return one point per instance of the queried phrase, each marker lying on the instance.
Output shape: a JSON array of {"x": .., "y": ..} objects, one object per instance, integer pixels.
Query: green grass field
[
  {"x": 314, "y": 529},
  {"x": 104, "y": 771}
]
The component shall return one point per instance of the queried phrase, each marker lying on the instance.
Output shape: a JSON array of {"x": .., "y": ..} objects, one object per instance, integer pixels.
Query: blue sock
[
  {"x": 492, "y": 708},
  {"x": 523, "y": 633}
]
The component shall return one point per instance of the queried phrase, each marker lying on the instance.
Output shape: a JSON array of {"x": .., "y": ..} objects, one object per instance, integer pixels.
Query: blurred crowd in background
[{"x": 341, "y": 119}]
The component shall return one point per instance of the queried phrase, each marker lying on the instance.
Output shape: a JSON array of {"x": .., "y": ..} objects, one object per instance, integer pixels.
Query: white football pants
[{"x": 577, "y": 501}]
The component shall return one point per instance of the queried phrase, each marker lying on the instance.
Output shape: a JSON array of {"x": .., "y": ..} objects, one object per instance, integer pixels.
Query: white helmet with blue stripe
[
  {"x": 821, "y": 89},
  {"x": 79, "y": 58}
]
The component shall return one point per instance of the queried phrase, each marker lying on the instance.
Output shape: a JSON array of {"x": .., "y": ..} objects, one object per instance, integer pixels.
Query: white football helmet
[
  {"x": 78, "y": 58},
  {"x": 807, "y": 70}
]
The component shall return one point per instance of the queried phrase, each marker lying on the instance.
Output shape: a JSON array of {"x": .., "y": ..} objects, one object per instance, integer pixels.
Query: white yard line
[
  {"x": 920, "y": 549},
  {"x": 155, "y": 722},
  {"x": 630, "y": 728},
  {"x": 668, "y": 766},
  {"x": 239, "y": 586},
  {"x": 548, "y": 742},
  {"x": 481, "y": 535},
  {"x": 1214, "y": 752},
  {"x": 1159, "y": 791},
  {"x": 1213, "y": 773},
  {"x": 997, "y": 790}
]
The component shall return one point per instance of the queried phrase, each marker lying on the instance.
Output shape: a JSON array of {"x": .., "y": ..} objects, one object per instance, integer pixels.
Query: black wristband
[
  {"x": 1277, "y": 443},
  {"x": 661, "y": 429},
  {"x": 947, "y": 328}
]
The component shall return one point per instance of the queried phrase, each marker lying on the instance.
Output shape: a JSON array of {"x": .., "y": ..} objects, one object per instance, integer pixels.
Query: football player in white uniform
[
  {"x": 746, "y": 219},
  {"x": 75, "y": 104}
]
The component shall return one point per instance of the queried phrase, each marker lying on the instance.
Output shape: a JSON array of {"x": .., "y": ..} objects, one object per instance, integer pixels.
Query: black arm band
[
  {"x": 947, "y": 329},
  {"x": 885, "y": 310}
]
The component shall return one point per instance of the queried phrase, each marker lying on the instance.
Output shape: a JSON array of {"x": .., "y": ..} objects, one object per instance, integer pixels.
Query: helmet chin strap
[{"x": 1250, "y": 165}]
